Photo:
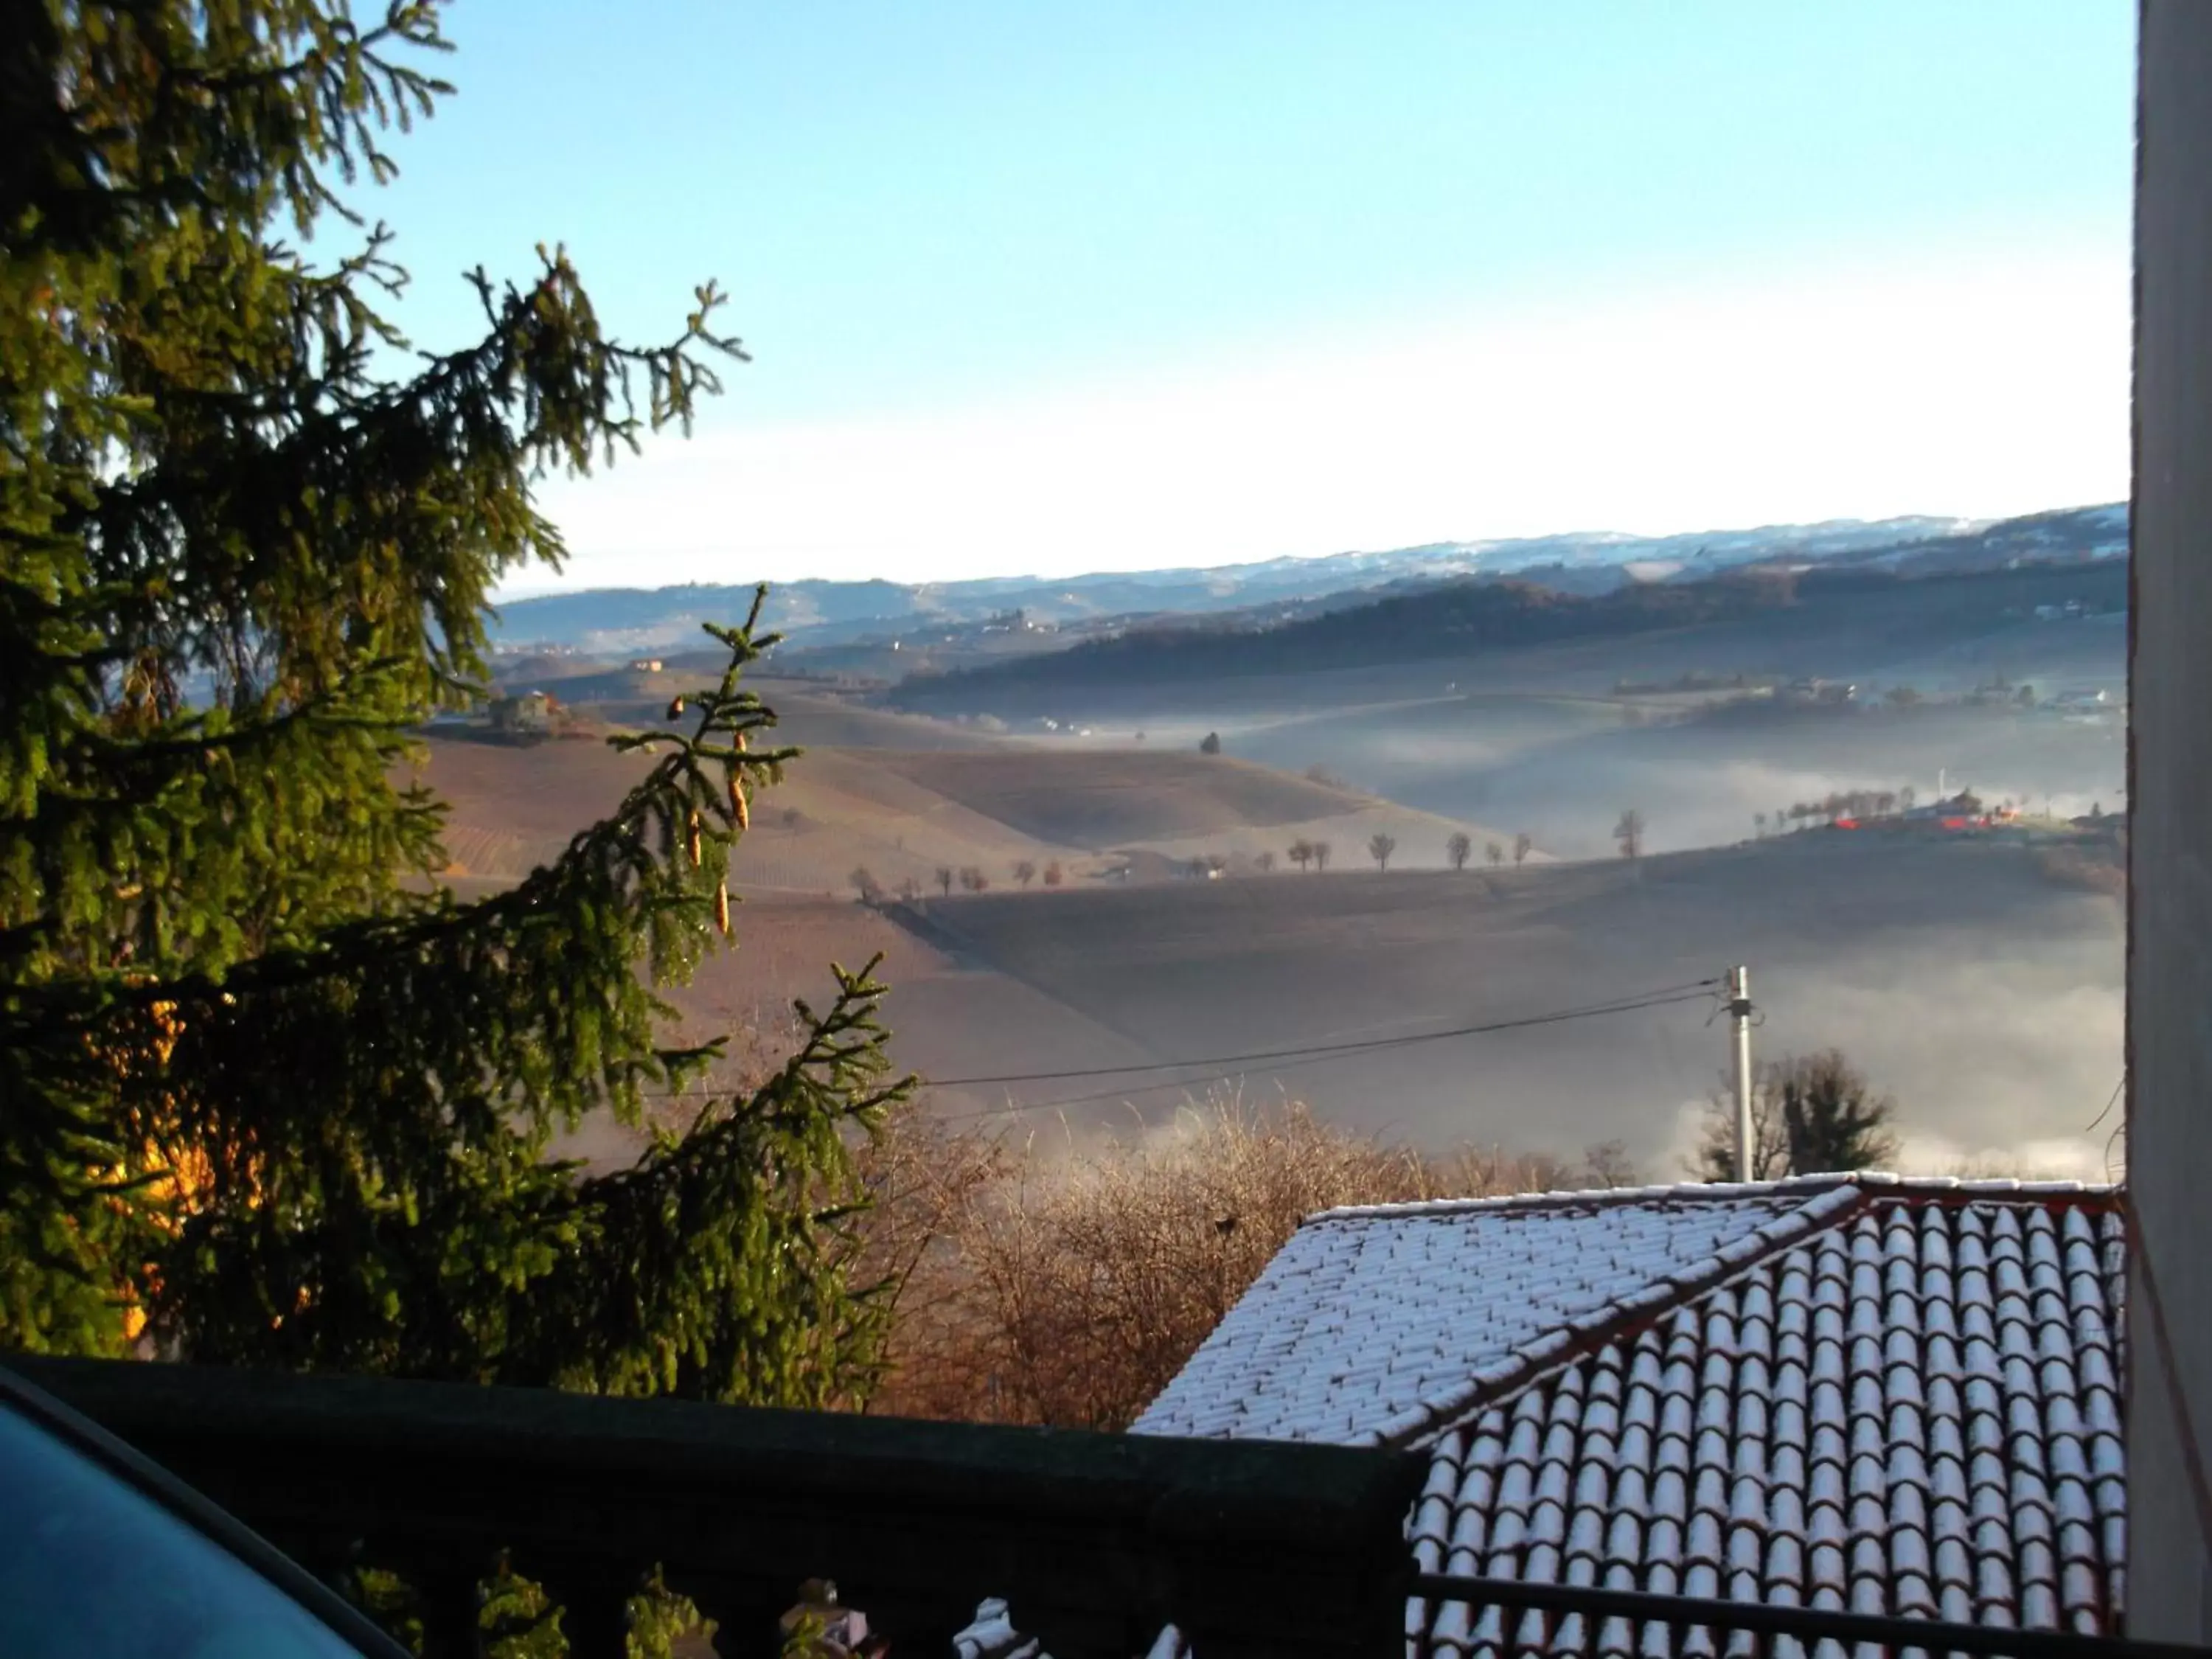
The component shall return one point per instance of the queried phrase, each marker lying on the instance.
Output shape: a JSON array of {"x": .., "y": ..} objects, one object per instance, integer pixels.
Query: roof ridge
[
  {"x": 1875, "y": 1182},
  {"x": 1829, "y": 1201}
]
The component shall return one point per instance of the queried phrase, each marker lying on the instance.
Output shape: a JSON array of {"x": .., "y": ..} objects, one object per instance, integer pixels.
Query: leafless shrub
[
  {"x": 1056, "y": 1283},
  {"x": 922, "y": 1175}
]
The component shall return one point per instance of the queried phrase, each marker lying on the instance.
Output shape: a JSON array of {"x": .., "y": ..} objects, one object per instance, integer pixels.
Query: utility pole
[{"x": 1738, "y": 990}]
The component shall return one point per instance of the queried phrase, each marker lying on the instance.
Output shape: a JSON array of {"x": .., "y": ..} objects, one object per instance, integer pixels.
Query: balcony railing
[
  {"x": 1096, "y": 1541},
  {"x": 1251, "y": 1549}
]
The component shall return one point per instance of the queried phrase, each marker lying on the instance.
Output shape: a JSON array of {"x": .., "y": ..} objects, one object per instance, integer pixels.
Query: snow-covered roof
[{"x": 1857, "y": 1393}]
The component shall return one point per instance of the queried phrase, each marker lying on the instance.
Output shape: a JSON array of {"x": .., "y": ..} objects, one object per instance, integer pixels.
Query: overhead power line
[
  {"x": 1287, "y": 1058},
  {"x": 1281, "y": 1059},
  {"x": 1616, "y": 1005}
]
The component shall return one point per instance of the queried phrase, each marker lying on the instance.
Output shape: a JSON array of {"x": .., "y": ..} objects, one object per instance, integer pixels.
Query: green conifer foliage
[{"x": 264, "y": 1089}]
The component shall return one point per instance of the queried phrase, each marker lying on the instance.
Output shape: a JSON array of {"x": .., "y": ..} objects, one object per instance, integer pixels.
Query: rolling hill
[
  {"x": 1764, "y": 613},
  {"x": 1113, "y": 797},
  {"x": 1852, "y": 941},
  {"x": 814, "y": 614},
  {"x": 905, "y": 814}
]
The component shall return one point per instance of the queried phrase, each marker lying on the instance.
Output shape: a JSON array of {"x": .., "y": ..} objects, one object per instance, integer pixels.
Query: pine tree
[{"x": 268, "y": 1095}]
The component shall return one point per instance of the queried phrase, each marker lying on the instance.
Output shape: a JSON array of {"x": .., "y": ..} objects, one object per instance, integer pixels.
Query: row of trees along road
[
  {"x": 971, "y": 878},
  {"x": 269, "y": 1096},
  {"x": 1305, "y": 854},
  {"x": 1381, "y": 848},
  {"x": 1461, "y": 847}
]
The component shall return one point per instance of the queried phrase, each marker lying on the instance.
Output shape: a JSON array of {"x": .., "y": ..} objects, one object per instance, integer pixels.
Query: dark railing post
[
  {"x": 452, "y": 1611},
  {"x": 744, "y": 1612},
  {"x": 594, "y": 1603}
]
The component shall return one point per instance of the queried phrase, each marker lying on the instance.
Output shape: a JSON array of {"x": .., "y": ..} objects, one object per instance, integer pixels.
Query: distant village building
[{"x": 646, "y": 665}]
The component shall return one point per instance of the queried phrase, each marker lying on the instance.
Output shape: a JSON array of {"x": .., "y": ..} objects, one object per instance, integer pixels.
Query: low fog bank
[
  {"x": 1984, "y": 996},
  {"x": 1995, "y": 1067},
  {"x": 1565, "y": 772}
]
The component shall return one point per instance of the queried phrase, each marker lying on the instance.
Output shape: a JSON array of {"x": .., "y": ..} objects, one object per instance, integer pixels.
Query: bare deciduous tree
[
  {"x": 1054, "y": 875},
  {"x": 1629, "y": 832},
  {"x": 1610, "y": 1166},
  {"x": 1302, "y": 852},
  {"x": 1263, "y": 861},
  {"x": 1494, "y": 853},
  {"x": 1321, "y": 852},
  {"x": 1810, "y": 1114},
  {"x": 944, "y": 879},
  {"x": 923, "y": 1176},
  {"x": 973, "y": 880},
  {"x": 1459, "y": 848},
  {"x": 1523, "y": 844},
  {"x": 1716, "y": 1155},
  {"x": 866, "y": 884},
  {"x": 1380, "y": 846},
  {"x": 1025, "y": 872}
]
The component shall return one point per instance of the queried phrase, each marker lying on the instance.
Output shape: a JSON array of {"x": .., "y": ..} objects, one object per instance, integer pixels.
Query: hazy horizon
[
  {"x": 1057, "y": 290},
  {"x": 538, "y": 584}
]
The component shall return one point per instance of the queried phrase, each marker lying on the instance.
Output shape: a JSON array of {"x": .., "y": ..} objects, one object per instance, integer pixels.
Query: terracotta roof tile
[{"x": 1874, "y": 1394}]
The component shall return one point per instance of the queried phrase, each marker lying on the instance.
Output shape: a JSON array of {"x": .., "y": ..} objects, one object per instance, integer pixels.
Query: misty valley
[{"x": 1883, "y": 767}]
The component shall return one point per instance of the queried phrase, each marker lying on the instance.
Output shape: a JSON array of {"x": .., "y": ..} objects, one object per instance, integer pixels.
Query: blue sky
[{"x": 1073, "y": 285}]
